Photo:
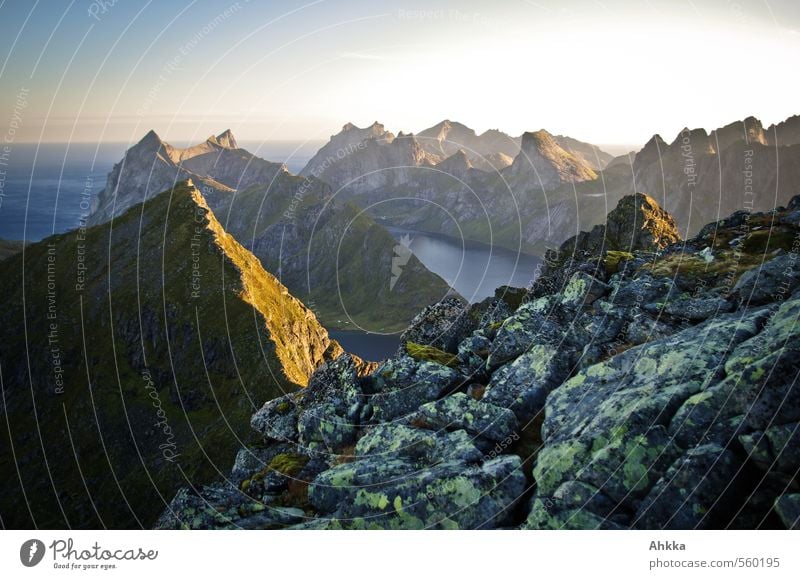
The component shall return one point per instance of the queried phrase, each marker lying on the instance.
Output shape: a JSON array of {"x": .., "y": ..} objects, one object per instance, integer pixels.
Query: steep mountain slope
[
  {"x": 644, "y": 382},
  {"x": 9, "y": 247},
  {"x": 132, "y": 358},
  {"x": 489, "y": 151},
  {"x": 784, "y": 133},
  {"x": 332, "y": 255},
  {"x": 279, "y": 216},
  {"x": 592, "y": 155},
  {"x": 544, "y": 162},
  {"x": 361, "y": 160}
]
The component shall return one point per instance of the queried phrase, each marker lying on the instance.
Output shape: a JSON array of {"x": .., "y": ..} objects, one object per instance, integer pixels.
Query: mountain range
[
  {"x": 327, "y": 251},
  {"x": 551, "y": 187}
]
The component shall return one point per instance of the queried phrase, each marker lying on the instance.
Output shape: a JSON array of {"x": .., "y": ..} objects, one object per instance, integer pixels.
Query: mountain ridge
[{"x": 150, "y": 360}]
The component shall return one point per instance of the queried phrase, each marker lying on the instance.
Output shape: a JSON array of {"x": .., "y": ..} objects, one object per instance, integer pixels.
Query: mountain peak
[
  {"x": 542, "y": 157},
  {"x": 227, "y": 140},
  {"x": 151, "y": 141},
  {"x": 536, "y": 138},
  {"x": 456, "y": 164}
]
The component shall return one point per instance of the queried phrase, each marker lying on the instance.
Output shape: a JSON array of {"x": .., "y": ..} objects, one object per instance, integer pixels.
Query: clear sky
[{"x": 604, "y": 71}]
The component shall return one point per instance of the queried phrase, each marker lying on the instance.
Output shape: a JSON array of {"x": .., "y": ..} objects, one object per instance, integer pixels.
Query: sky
[{"x": 608, "y": 72}]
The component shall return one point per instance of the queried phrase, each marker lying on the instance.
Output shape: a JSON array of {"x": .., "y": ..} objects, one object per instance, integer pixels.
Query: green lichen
[{"x": 556, "y": 461}]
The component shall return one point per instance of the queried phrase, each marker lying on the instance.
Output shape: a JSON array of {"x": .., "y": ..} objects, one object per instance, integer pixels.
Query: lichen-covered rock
[
  {"x": 277, "y": 419},
  {"x": 250, "y": 460},
  {"x": 402, "y": 385},
  {"x": 583, "y": 290},
  {"x": 519, "y": 332},
  {"x": 690, "y": 493},
  {"x": 478, "y": 418},
  {"x": 223, "y": 507},
  {"x": 330, "y": 406},
  {"x": 472, "y": 355},
  {"x": 770, "y": 281},
  {"x": 393, "y": 493},
  {"x": 776, "y": 449},
  {"x": 693, "y": 309},
  {"x": 442, "y": 325},
  {"x": 788, "y": 509},
  {"x": 402, "y": 441},
  {"x": 643, "y": 289},
  {"x": 606, "y": 426},
  {"x": 523, "y": 385}
]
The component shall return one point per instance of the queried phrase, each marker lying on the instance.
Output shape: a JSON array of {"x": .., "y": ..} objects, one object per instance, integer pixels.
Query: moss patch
[{"x": 431, "y": 354}]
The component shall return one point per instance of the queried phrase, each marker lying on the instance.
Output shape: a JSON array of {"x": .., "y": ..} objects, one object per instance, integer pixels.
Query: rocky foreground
[{"x": 643, "y": 382}]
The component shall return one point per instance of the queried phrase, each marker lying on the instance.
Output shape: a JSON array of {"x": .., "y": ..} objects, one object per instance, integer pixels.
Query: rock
[
  {"x": 403, "y": 384},
  {"x": 788, "y": 509},
  {"x": 583, "y": 290},
  {"x": 643, "y": 329},
  {"x": 642, "y": 290},
  {"x": 442, "y": 325},
  {"x": 472, "y": 355},
  {"x": 401, "y": 441},
  {"x": 222, "y": 507},
  {"x": 690, "y": 492},
  {"x": 774, "y": 280},
  {"x": 459, "y": 411},
  {"x": 776, "y": 449},
  {"x": 519, "y": 332},
  {"x": 251, "y": 460},
  {"x": 605, "y": 426},
  {"x": 331, "y": 404},
  {"x": 523, "y": 385},
  {"x": 277, "y": 419},
  {"x": 754, "y": 394},
  {"x": 392, "y": 493},
  {"x": 693, "y": 309}
]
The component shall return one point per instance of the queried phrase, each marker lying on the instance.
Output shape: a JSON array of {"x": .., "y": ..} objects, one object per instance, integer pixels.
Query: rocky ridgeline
[{"x": 643, "y": 382}]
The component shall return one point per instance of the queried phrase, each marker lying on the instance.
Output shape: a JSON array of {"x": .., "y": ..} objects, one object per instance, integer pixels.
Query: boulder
[
  {"x": 478, "y": 418},
  {"x": 442, "y": 325}
]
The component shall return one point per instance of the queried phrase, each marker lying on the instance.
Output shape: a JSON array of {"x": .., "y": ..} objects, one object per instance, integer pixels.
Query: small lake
[
  {"x": 371, "y": 347},
  {"x": 473, "y": 269}
]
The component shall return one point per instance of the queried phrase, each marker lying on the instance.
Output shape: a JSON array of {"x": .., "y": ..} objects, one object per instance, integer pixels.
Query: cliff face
[
  {"x": 146, "y": 349},
  {"x": 642, "y": 382}
]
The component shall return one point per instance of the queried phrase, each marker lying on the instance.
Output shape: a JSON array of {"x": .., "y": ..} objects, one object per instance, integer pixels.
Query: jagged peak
[
  {"x": 150, "y": 141},
  {"x": 227, "y": 140},
  {"x": 693, "y": 135},
  {"x": 376, "y": 129},
  {"x": 537, "y": 138},
  {"x": 442, "y": 129},
  {"x": 457, "y": 162}
]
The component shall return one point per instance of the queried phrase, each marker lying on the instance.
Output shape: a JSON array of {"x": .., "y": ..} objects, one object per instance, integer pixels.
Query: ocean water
[{"x": 44, "y": 188}]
